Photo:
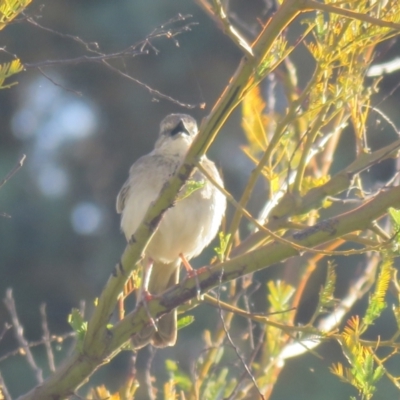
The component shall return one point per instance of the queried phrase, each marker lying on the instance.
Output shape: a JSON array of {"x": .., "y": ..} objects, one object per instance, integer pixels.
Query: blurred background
[{"x": 81, "y": 126}]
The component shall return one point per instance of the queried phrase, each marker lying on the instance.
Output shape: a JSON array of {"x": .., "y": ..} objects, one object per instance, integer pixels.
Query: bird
[{"x": 185, "y": 229}]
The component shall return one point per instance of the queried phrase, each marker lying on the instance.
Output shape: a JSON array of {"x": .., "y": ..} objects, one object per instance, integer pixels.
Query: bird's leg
[
  {"x": 191, "y": 273},
  {"x": 145, "y": 295}
]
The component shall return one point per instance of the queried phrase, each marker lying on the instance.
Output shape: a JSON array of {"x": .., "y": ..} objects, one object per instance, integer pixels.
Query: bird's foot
[{"x": 191, "y": 273}]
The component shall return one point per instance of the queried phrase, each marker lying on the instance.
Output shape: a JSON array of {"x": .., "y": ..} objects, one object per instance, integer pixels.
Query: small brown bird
[{"x": 185, "y": 229}]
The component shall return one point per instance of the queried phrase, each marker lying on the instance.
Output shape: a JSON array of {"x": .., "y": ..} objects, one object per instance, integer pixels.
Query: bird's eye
[{"x": 180, "y": 128}]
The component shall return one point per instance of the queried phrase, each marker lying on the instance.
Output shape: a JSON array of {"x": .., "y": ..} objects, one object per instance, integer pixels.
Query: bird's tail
[{"x": 162, "y": 277}]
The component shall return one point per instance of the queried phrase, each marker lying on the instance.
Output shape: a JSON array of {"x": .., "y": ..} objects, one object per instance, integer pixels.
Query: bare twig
[
  {"x": 46, "y": 338},
  {"x": 129, "y": 52},
  {"x": 255, "y": 351},
  {"x": 139, "y": 48},
  {"x": 79, "y": 94},
  {"x": 148, "y": 377},
  {"x": 19, "y": 334},
  {"x": 92, "y": 47},
  {"x": 6, "y": 328},
  {"x": 4, "y": 394},
  {"x": 149, "y": 89},
  {"x": 249, "y": 322},
  {"x": 13, "y": 171},
  {"x": 54, "y": 338},
  {"x": 243, "y": 362}
]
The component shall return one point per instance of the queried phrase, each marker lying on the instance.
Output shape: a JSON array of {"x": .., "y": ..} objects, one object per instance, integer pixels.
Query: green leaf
[
  {"x": 395, "y": 216},
  {"x": 395, "y": 219},
  {"x": 223, "y": 243},
  {"x": 326, "y": 298},
  {"x": 180, "y": 377},
  {"x": 190, "y": 187},
  {"x": 279, "y": 295},
  {"x": 185, "y": 321},
  {"x": 378, "y": 374},
  {"x": 9, "y": 69},
  {"x": 216, "y": 386},
  {"x": 79, "y": 325},
  {"x": 171, "y": 365},
  {"x": 377, "y": 300}
]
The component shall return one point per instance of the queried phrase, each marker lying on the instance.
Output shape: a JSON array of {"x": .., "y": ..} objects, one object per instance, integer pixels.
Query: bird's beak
[{"x": 180, "y": 128}]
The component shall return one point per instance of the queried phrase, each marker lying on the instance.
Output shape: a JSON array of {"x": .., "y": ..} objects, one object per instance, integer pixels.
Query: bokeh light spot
[
  {"x": 86, "y": 218},
  {"x": 52, "y": 180}
]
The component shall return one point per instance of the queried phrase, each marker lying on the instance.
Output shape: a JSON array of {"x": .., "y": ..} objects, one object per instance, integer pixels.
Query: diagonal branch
[{"x": 264, "y": 257}]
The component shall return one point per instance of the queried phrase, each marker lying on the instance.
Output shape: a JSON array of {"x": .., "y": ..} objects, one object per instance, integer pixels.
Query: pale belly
[{"x": 185, "y": 229}]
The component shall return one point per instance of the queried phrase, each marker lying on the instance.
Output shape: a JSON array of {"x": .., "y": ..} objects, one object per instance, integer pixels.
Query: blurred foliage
[
  {"x": 7, "y": 70},
  {"x": 9, "y": 9}
]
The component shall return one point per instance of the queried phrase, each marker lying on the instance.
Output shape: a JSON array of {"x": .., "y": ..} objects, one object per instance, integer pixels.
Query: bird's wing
[{"x": 134, "y": 172}]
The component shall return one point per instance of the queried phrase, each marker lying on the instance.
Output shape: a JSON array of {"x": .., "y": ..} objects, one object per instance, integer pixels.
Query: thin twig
[
  {"x": 49, "y": 78},
  {"x": 152, "y": 91},
  {"x": 13, "y": 171},
  {"x": 6, "y": 328},
  {"x": 4, "y": 394},
  {"x": 249, "y": 322},
  {"x": 19, "y": 335},
  {"x": 92, "y": 47},
  {"x": 54, "y": 338},
  {"x": 245, "y": 366},
  {"x": 136, "y": 49},
  {"x": 47, "y": 338},
  {"x": 132, "y": 365},
  {"x": 147, "y": 373},
  {"x": 87, "y": 59},
  {"x": 255, "y": 351}
]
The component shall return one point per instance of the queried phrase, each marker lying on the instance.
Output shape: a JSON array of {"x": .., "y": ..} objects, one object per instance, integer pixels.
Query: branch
[
  {"x": 291, "y": 204},
  {"x": 236, "y": 349},
  {"x": 264, "y": 257},
  {"x": 315, "y": 5},
  {"x": 164, "y": 30},
  {"x": 130, "y": 51},
  {"x": 54, "y": 338},
  {"x": 47, "y": 338},
  {"x": 80, "y": 366},
  {"x": 217, "y": 13},
  {"x": 17, "y": 167},
  {"x": 152, "y": 91}
]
